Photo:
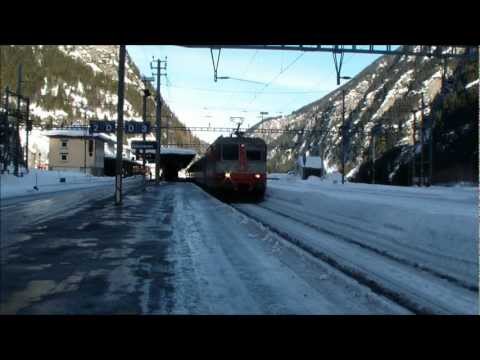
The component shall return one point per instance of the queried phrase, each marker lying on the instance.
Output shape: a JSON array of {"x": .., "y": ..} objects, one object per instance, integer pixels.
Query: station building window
[{"x": 64, "y": 156}]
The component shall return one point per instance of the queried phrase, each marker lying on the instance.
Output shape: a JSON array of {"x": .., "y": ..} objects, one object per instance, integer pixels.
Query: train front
[{"x": 242, "y": 166}]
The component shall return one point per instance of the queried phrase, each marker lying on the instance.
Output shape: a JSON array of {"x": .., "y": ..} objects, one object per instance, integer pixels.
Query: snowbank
[
  {"x": 330, "y": 178},
  {"x": 47, "y": 181},
  {"x": 434, "y": 227}
]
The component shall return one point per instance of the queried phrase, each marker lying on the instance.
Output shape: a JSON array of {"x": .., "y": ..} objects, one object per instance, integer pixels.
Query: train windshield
[
  {"x": 254, "y": 155},
  {"x": 230, "y": 152}
]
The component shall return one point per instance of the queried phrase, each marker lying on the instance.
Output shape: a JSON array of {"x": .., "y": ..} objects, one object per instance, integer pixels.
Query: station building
[{"x": 76, "y": 150}]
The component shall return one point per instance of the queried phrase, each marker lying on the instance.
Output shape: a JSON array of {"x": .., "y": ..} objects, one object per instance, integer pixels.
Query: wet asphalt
[{"x": 94, "y": 258}]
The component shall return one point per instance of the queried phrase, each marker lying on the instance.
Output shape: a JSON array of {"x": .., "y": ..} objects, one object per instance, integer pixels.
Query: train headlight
[
  {"x": 227, "y": 175},
  {"x": 258, "y": 176}
]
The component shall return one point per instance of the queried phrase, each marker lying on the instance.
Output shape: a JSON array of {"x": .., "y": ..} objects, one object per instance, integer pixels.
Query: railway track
[
  {"x": 395, "y": 280},
  {"x": 381, "y": 252}
]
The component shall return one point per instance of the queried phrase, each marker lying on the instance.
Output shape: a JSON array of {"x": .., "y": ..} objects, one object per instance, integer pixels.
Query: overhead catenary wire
[
  {"x": 282, "y": 71},
  {"x": 249, "y": 63},
  {"x": 309, "y": 91},
  {"x": 246, "y": 91},
  {"x": 229, "y": 98}
]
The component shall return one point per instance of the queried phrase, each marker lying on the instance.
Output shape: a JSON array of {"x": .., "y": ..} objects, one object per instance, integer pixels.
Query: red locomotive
[{"x": 233, "y": 165}]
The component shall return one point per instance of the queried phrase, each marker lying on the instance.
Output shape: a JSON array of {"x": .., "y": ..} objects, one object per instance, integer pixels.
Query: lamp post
[
  {"x": 146, "y": 94},
  {"x": 121, "y": 95}
]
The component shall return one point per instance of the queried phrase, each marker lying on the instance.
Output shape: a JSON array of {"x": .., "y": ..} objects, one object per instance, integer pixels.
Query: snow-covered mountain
[
  {"x": 69, "y": 83},
  {"x": 385, "y": 93}
]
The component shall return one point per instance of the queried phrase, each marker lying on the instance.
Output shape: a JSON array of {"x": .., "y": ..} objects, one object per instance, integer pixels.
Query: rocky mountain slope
[
  {"x": 69, "y": 84},
  {"x": 385, "y": 94}
]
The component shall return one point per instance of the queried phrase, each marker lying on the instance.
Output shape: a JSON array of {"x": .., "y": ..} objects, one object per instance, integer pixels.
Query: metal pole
[
  {"x": 430, "y": 152},
  {"x": 158, "y": 131},
  {"x": 7, "y": 147},
  {"x": 343, "y": 136},
  {"x": 167, "y": 124},
  {"x": 121, "y": 93},
  {"x": 17, "y": 122},
  {"x": 1, "y": 72},
  {"x": 422, "y": 134},
  {"x": 414, "y": 146},
  {"x": 373, "y": 158},
  {"x": 320, "y": 153},
  {"x": 27, "y": 129},
  {"x": 144, "y": 135},
  {"x": 85, "y": 143}
]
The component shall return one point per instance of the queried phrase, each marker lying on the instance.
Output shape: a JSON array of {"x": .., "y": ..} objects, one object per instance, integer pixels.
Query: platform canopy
[{"x": 172, "y": 159}]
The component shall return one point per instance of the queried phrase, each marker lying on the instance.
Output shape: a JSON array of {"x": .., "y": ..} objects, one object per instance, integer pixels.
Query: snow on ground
[
  {"x": 48, "y": 181},
  {"x": 225, "y": 263},
  {"x": 435, "y": 227},
  {"x": 419, "y": 245},
  {"x": 172, "y": 249}
]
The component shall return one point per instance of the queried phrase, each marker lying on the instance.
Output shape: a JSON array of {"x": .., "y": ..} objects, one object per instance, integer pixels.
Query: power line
[
  {"x": 243, "y": 74},
  {"x": 276, "y": 77},
  {"x": 309, "y": 91},
  {"x": 249, "y": 63},
  {"x": 249, "y": 91}
]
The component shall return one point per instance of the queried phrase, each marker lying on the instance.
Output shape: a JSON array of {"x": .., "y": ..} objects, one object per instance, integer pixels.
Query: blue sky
[{"x": 199, "y": 101}]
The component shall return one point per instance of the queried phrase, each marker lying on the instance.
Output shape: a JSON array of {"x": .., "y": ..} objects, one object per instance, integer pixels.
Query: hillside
[
  {"x": 385, "y": 94},
  {"x": 67, "y": 84}
]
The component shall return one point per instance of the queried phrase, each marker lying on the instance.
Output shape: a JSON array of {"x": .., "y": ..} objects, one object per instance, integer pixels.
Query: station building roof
[{"x": 79, "y": 133}]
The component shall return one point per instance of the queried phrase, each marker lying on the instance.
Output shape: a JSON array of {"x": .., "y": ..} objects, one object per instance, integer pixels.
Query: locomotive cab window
[
  {"x": 230, "y": 152},
  {"x": 254, "y": 155}
]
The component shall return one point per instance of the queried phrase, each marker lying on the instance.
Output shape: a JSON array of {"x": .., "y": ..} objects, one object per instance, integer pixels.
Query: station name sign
[
  {"x": 141, "y": 145},
  {"x": 129, "y": 127}
]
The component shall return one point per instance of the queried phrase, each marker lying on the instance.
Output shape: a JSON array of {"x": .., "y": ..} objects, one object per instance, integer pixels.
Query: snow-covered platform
[{"x": 172, "y": 249}]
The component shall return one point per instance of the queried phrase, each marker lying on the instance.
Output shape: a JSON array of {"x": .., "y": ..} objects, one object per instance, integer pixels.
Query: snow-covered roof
[
  {"x": 173, "y": 150},
  {"x": 176, "y": 150},
  {"x": 72, "y": 132},
  {"x": 314, "y": 162}
]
